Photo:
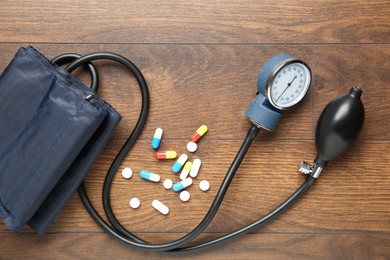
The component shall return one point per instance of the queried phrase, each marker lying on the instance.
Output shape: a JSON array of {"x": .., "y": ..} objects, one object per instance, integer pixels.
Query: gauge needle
[{"x": 288, "y": 85}]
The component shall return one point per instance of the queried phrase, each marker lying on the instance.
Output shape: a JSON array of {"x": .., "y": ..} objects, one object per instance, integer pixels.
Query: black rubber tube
[
  {"x": 69, "y": 57},
  {"x": 260, "y": 222}
]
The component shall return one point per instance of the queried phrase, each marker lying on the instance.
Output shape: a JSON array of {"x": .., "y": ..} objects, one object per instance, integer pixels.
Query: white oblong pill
[
  {"x": 135, "y": 203},
  {"x": 195, "y": 168},
  {"x": 160, "y": 207},
  {"x": 204, "y": 185},
  {"x": 127, "y": 173},
  {"x": 192, "y": 147},
  {"x": 168, "y": 184},
  {"x": 185, "y": 196}
]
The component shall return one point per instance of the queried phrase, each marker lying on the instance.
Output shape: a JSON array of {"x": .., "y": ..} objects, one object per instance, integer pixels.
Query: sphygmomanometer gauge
[{"x": 288, "y": 83}]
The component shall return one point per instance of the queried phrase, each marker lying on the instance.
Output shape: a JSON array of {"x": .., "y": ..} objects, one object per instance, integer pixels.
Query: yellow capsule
[
  {"x": 186, "y": 170},
  {"x": 166, "y": 155},
  {"x": 198, "y": 133},
  {"x": 187, "y": 166}
]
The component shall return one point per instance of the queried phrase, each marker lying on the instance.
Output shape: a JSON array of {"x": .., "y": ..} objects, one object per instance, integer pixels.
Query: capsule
[
  {"x": 198, "y": 133},
  {"x": 157, "y": 138},
  {"x": 165, "y": 155},
  {"x": 150, "y": 176},
  {"x": 195, "y": 168},
  {"x": 186, "y": 170},
  {"x": 178, "y": 186},
  {"x": 179, "y": 163}
]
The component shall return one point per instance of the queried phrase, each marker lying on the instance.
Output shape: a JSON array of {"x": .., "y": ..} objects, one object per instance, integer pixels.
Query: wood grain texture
[
  {"x": 255, "y": 246},
  {"x": 201, "y": 61},
  {"x": 202, "y": 21}
]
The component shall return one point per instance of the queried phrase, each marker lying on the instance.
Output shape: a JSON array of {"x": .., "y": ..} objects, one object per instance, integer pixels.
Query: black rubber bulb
[{"x": 339, "y": 124}]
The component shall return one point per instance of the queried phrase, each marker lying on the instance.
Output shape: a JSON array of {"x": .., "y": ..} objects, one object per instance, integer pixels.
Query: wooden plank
[
  {"x": 252, "y": 246},
  {"x": 202, "y": 21}
]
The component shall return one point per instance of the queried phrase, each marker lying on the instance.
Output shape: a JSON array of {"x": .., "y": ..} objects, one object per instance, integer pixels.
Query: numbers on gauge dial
[{"x": 290, "y": 85}]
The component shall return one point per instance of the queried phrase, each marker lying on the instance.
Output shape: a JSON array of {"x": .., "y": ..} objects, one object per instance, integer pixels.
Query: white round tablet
[
  {"x": 192, "y": 147},
  {"x": 135, "y": 203},
  {"x": 204, "y": 185},
  {"x": 185, "y": 196},
  {"x": 127, "y": 173},
  {"x": 168, "y": 184}
]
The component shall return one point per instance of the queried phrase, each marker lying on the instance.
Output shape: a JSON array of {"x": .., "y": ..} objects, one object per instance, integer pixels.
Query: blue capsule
[
  {"x": 179, "y": 163},
  {"x": 150, "y": 176},
  {"x": 178, "y": 186},
  {"x": 157, "y": 138}
]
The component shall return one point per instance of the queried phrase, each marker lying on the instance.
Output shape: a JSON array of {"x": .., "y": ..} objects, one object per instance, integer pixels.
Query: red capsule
[
  {"x": 164, "y": 155},
  {"x": 198, "y": 133}
]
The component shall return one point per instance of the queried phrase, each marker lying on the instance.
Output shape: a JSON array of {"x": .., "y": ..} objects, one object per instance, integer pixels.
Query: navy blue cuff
[{"x": 50, "y": 135}]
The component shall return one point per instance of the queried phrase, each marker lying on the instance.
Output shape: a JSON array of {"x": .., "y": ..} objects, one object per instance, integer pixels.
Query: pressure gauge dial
[{"x": 288, "y": 83}]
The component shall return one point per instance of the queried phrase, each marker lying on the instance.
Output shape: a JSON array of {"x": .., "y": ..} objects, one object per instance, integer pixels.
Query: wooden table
[{"x": 201, "y": 61}]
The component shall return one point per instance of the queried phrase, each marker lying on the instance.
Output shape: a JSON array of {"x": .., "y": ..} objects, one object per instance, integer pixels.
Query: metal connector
[
  {"x": 316, "y": 172},
  {"x": 89, "y": 97},
  {"x": 305, "y": 167}
]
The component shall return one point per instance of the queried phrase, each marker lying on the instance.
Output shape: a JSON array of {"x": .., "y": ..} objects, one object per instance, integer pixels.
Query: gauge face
[{"x": 289, "y": 85}]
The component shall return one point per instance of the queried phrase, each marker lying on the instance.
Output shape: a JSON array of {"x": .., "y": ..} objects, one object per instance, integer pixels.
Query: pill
[
  {"x": 198, "y": 133},
  {"x": 127, "y": 173},
  {"x": 178, "y": 186},
  {"x": 179, "y": 163},
  {"x": 186, "y": 170},
  {"x": 161, "y": 207},
  {"x": 192, "y": 147},
  {"x": 184, "y": 196},
  {"x": 166, "y": 155},
  {"x": 168, "y": 184},
  {"x": 157, "y": 138},
  {"x": 204, "y": 185},
  {"x": 150, "y": 176},
  {"x": 195, "y": 168},
  {"x": 135, "y": 203}
]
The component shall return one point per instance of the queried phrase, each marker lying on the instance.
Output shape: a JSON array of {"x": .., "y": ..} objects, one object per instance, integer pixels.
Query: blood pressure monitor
[{"x": 282, "y": 83}]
